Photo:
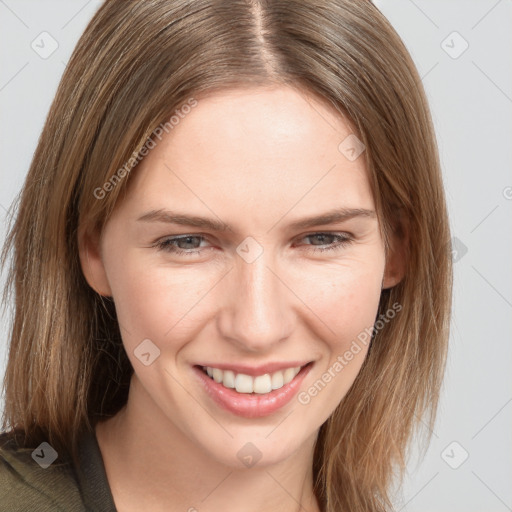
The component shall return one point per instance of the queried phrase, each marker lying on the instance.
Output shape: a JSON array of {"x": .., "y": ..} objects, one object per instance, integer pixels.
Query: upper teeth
[{"x": 247, "y": 384}]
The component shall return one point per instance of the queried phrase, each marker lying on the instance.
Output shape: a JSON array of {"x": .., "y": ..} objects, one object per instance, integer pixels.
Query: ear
[
  {"x": 398, "y": 253},
  {"x": 89, "y": 250}
]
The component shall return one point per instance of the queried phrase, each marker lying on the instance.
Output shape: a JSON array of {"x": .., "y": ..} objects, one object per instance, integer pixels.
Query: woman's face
[{"x": 260, "y": 162}]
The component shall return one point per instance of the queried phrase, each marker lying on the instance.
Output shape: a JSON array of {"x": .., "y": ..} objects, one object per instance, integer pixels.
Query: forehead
[{"x": 262, "y": 151}]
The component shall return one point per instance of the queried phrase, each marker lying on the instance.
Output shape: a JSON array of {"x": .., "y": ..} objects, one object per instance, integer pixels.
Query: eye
[
  {"x": 175, "y": 245},
  {"x": 181, "y": 245},
  {"x": 343, "y": 239}
]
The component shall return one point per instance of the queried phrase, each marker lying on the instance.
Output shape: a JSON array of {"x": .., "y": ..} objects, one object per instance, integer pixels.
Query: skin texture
[{"x": 256, "y": 159}]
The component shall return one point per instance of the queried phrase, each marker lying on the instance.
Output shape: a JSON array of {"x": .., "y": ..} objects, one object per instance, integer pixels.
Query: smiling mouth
[{"x": 248, "y": 384}]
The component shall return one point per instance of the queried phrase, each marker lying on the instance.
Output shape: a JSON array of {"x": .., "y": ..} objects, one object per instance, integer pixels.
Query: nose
[{"x": 256, "y": 313}]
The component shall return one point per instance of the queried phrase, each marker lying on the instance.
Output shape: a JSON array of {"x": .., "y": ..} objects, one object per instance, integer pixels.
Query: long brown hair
[{"x": 135, "y": 64}]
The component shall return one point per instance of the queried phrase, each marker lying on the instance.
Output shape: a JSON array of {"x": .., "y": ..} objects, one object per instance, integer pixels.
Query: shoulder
[{"x": 35, "y": 479}]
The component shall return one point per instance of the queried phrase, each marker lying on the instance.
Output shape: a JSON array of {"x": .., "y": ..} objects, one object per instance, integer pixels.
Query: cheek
[
  {"x": 344, "y": 297},
  {"x": 153, "y": 301},
  {"x": 346, "y": 308}
]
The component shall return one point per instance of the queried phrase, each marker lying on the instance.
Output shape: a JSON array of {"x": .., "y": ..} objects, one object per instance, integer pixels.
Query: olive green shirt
[{"x": 31, "y": 481}]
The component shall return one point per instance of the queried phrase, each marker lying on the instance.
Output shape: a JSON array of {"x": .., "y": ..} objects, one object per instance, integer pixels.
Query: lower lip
[{"x": 252, "y": 405}]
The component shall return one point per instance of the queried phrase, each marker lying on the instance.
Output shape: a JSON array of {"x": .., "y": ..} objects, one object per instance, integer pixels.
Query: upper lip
[{"x": 256, "y": 370}]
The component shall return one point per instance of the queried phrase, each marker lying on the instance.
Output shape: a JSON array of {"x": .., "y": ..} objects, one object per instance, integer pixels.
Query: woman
[{"x": 179, "y": 343}]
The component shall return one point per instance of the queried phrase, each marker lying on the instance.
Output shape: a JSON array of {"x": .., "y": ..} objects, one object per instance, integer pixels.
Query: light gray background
[{"x": 471, "y": 101}]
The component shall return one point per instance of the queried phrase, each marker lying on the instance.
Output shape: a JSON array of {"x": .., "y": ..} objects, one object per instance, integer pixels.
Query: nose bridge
[{"x": 256, "y": 315}]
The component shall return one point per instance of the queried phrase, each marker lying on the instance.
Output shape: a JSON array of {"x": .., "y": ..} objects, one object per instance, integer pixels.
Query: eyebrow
[{"x": 329, "y": 217}]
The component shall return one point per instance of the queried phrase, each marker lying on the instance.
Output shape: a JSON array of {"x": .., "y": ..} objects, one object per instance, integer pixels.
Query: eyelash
[{"x": 166, "y": 244}]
